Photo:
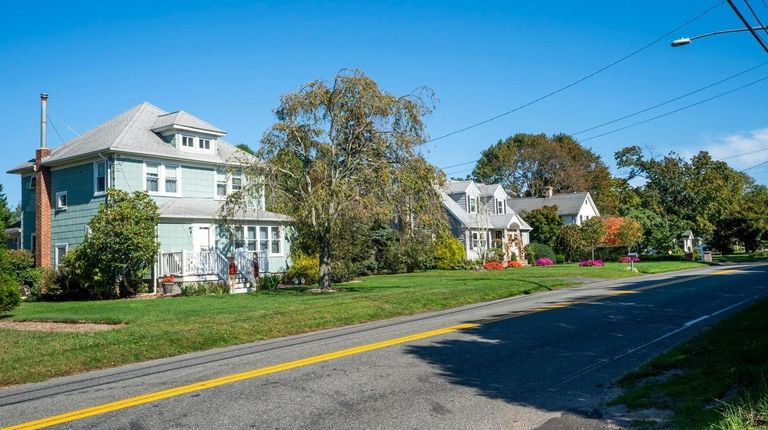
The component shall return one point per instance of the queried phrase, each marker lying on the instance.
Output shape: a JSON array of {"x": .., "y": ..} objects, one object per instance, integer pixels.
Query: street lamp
[{"x": 687, "y": 40}]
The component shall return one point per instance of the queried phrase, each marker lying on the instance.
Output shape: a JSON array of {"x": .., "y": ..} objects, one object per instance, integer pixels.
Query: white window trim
[
  {"x": 270, "y": 238},
  {"x": 469, "y": 204},
  {"x": 32, "y": 182},
  {"x": 96, "y": 177},
  {"x": 200, "y": 141},
  {"x": 56, "y": 253},
  {"x": 229, "y": 184},
  {"x": 161, "y": 178},
  {"x": 192, "y": 138},
  {"x": 500, "y": 206},
  {"x": 59, "y": 207},
  {"x": 196, "y": 142}
]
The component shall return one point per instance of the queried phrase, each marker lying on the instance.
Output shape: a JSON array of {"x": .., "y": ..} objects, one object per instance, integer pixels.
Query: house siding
[
  {"x": 128, "y": 174},
  {"x": 28, "y": 212},
  {"x": 175, "y": 237},
  {"x": 68, "y": 225},
  {"x": 197, "y": 182}
]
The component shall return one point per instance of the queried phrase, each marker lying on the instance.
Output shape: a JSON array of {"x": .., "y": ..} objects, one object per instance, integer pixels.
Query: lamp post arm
[{"x": 734, "y": 30}]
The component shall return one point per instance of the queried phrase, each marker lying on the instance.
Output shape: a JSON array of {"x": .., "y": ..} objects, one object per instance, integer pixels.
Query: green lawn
[
  {"x": 716, "y": 380},
  {"x": 165, "y": 327}
]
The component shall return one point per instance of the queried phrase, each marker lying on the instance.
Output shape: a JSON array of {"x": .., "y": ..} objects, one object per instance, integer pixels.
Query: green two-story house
[{"x": 183, "y": 163}]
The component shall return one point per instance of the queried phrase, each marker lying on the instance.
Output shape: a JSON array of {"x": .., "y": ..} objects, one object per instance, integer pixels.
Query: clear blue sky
[{"x": 229, "y": 62}]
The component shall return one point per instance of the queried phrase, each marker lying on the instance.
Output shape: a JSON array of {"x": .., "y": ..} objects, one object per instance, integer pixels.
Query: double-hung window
[
  {"x": 276, "y": 241},
  {"x": 499, "y": 206},
  {"x": 473, "y": 205},
  {"x": 100, "y": 177},
  {"x": 60, "y": 251},
  {"x": 263, "y": 239},
  {"x": 221, "y": 184},
  {"x": 162, "y": 179},
  {"x": 266, "y": 240},
  {"x": 61, "y": 200},
  {"x": 153, "y": 177},
  {"x": 204, "y": 143},
  {"x": 228, "y": 183},
  {"x": 187, "y": 141},
  {"x": 252, "y": 241},
  {"x": 171, "y": 179}
]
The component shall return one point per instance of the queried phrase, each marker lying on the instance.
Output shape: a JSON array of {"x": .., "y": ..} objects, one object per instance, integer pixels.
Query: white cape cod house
[
  {"x": 481, "y": 219},
  {"x": 573, "y": 208},
  {"x": 183, "y": 163}
]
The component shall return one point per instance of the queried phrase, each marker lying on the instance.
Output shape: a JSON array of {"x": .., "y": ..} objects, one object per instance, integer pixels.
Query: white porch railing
[{"x": 213, "y": 262}]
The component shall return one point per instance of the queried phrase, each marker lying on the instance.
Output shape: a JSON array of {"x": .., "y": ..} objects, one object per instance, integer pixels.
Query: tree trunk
[{"x": 324, "y": 278}]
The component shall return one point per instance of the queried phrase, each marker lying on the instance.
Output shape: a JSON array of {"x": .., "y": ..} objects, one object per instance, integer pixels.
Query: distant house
[
  {"x": 573, "y": 208},
  {"x": 183, "y": 163},
  {"x": 13, "y": 236},
  {"x": 481, "y": 219}
]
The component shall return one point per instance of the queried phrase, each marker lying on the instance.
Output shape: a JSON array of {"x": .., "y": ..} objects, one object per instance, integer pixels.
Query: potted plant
[{"x": 168, "y": 284}]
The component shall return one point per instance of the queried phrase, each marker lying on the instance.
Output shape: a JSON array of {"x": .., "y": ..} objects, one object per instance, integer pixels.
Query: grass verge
[
  {"x": 717, "y": 380},
  {"x": 172, "y": 326}
]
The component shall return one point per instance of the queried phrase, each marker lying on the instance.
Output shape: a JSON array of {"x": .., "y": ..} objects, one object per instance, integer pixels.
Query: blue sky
[{"x": 229, "y": 61}]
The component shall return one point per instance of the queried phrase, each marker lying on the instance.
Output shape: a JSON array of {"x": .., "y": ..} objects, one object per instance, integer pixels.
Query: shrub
[
  {"x": 538, "y": 250},
  {"x": 628, "y": 259},
  {"x": 9, "y": 293},
  {"x": 544, "y": 262},
  {"x": 591, "y": 263},
  {"x": 449, "y": 253},
  {"x": 559, "y": 258},
  {"x": 493, "y": 265},
  {"x": 343, "y": 271},
  {"x": 304, "y": 269},
  {"x": 496, "y": 254},
  {"x": 268, "y": 282},
  {"x": 515, "y": 264},
  {"x": 512, "y": 256},
  {"x": 466, "y": 265},
  {"x": 204, "y": 289}
]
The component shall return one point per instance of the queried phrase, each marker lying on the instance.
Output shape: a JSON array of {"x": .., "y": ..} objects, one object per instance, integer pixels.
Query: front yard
[{"x": 156, "y": 328}]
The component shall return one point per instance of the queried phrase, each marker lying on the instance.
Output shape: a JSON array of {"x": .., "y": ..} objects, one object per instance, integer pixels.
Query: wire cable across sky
[{"x": 582, "y": 79}]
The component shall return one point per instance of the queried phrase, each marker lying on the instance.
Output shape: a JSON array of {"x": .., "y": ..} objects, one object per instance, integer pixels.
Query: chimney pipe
[{"x": 43, "y": 120}]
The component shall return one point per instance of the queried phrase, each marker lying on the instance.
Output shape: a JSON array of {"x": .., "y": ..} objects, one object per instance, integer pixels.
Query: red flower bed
[
  {"x": 591, "y": 263},
  {"x": 515, "y": 264},
  {"x": 493, "y": 265}
]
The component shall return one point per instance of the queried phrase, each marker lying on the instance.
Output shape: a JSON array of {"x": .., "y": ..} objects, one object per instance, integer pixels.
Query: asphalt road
[{"x": 539, "y": 361}]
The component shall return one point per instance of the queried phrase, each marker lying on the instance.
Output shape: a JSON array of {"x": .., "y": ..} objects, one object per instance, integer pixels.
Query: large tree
[
  {"x": 346, "y": 152},
  {"x": 700, "y": 191},
  {"x": 546, "y": 225},
  {"x": 527, "y": 163}
]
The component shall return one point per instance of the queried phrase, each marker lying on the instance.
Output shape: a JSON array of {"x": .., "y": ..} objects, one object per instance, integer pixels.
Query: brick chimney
[{"x": 43, "y": 202}]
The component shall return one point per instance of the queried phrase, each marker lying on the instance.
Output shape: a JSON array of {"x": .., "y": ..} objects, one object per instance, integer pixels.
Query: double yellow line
[{"x": 255, "y": 373}]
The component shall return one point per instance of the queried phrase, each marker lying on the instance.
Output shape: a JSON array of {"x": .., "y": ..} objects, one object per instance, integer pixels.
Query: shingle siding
[
  {"x": 28, "y": 212},
  {"x": 197, "y": 182},
  {"x": 69, "y": 224}
]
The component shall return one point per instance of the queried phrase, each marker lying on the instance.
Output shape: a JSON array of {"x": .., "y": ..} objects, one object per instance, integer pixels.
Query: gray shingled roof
[
  {"x": 487, "y": 189},
  {"x": 453, "y": 187},
  {"x": 187, "y": 208},
  {"x": 184, "y": 119},
  {"x": 131, "y": 132},
  {"x": 567, "y": 204},
  {"x": 468, "y": 220}
]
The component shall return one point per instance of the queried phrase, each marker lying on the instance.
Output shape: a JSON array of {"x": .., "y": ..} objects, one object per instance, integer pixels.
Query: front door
[{"x": 202, "y": 238}]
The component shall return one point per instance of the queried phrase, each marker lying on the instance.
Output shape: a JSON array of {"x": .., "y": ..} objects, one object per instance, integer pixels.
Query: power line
[
  {"x": 690, "y": 93},
  {"x": 741, "y": 155},
  {"x": 754, "y": 14},
  {"x": 55, "y": 129},
  {"x": 671, "y": 100},
  {"x": 756, "y": 165},
  {"x": 65, "y": 124},
  {"x": 748, "y": 25},
  {"x": 676, "y": 110},
  {"x": 580, "y": 80}
]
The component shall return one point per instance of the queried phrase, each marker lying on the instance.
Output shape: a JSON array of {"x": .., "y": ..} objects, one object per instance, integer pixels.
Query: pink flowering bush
[
  {"x": 591, "y": 263},
  {"x": 493, "y": 265},
  {"x": 628, "y": 259},
  {"x": 544, "y": 262}
]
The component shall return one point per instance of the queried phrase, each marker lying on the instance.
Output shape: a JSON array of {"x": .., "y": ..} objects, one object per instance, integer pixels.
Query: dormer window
[
  {"x": 499, "y": 206},
  {"x": 204, "y": 143},
  {"x": 473, "y": 205},
  {"x": 187, "y": 141}
]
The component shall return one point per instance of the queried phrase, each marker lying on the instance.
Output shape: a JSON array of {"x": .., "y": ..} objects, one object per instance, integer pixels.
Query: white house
[
  {"x": 482, "y": 220},
  {"x": 573, "y": 208}
]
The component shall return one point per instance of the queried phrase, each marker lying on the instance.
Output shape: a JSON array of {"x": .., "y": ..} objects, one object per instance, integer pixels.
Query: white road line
[{"x": 688, "y": 324}]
